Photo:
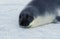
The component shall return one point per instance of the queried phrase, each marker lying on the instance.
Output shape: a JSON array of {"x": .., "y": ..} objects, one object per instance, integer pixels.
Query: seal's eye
[
  {"x": 21, "y": 15},
  {"x": 29, "y": 18}
]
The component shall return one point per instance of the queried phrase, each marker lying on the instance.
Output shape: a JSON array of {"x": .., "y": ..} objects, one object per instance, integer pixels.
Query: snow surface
[{"x": 9, "y": 27}]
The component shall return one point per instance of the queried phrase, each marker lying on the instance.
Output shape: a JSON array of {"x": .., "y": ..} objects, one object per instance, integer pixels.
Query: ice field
[{"x": 9, "y": 27}]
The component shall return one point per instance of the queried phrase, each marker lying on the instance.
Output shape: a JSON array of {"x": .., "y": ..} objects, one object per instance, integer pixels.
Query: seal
[{"x": 39, "y": 12}]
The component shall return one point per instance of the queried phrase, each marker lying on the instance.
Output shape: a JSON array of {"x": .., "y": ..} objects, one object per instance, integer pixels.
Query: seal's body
[{"x": 39, "y": 12}]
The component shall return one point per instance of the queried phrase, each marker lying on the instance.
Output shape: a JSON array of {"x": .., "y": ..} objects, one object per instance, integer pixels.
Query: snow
[{"x": 10, "y": 29}]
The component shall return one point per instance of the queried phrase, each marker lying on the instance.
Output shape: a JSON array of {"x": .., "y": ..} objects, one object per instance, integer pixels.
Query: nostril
[{"x": 22, "y": 23}]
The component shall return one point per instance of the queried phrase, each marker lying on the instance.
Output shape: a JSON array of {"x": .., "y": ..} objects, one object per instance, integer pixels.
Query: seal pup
[{"x": 39, "y": 12}]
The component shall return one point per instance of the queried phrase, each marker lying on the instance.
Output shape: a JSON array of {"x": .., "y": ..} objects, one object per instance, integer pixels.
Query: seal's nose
[{"x": 24, "y": 23}]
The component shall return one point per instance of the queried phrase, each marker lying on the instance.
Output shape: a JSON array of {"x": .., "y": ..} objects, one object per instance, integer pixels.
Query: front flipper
[{"x": 57, "y": 19}]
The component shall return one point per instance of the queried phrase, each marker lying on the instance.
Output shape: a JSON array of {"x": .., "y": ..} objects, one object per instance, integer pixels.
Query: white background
[{"x": 9, "y": 27}]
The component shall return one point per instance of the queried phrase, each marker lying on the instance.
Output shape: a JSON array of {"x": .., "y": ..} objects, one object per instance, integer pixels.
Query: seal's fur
[{"x": 39, "y": 12}]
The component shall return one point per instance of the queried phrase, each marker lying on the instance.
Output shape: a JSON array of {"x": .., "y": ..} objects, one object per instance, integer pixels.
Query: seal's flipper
[{"x": 58, "y": 18}]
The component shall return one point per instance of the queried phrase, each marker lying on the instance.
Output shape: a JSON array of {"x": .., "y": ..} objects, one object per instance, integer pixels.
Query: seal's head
[{"x": 25, "y": 19}]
